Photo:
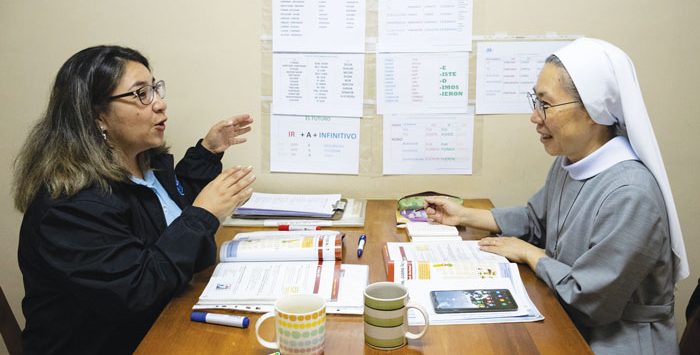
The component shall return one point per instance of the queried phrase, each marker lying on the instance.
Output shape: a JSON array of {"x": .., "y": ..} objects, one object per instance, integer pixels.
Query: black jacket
[{"x": 99, "y": 267}]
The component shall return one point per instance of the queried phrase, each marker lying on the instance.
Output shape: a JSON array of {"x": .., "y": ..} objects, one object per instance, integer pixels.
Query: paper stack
[
  {"x": 430, "y": 232},
  {"x": 290, "y": 205}
]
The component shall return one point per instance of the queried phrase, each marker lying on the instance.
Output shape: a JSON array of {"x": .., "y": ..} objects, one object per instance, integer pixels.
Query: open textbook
[
  {"x": 456, "y": 265},
  {"x": 257, "y": 268}
]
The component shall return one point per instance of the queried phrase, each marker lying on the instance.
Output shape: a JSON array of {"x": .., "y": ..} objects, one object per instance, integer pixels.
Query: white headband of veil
[{"x": 607, "y": 82}]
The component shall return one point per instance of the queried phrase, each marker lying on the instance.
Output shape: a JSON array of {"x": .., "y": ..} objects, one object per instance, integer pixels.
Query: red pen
[{"x": 287, "y": 227}]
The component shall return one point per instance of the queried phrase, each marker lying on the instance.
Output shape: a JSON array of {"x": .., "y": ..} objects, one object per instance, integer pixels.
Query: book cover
[{"x": 283, "y": 246}]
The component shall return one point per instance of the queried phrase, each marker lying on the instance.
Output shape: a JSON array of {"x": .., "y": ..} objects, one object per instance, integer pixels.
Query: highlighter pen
[
  {"x": 292, "y": 227},
  {"x": 221, "y": 319},
  {"x": 361, "y": 245}
]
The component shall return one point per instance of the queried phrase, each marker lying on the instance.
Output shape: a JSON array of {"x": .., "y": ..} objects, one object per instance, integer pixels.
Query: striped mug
[
  {"x": 386, "y": 321},
  {"x": 300, "y": 323}
]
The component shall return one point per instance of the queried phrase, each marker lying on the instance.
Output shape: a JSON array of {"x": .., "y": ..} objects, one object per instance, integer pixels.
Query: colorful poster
[{"x": 314, "y": 144}]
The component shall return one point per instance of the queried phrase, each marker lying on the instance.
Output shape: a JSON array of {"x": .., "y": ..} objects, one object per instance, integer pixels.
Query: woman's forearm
[{"x": 479, "y": 219}]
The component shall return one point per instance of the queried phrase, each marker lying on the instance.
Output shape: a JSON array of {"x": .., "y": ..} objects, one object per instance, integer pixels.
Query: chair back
[
  {"x": 9, "y": 327},
  {"x": 690, "y": 341}
]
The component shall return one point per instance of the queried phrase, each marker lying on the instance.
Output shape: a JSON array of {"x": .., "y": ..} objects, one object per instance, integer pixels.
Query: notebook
[
  {"x": 425, "y": 232},
  {"x": 264, "y": 205}
]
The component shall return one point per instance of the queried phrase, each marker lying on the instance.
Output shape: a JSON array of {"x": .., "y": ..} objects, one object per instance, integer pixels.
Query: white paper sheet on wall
[
  {"x": 424, "y": 25},
  {"x": 428, "y": 144},
  {"x": 422, "y": 82},
  {"x": 318, "y": 26},
  {"x": 318, "y": 84},
  {"x": 314, "y": 144},
  {"x": 506, "y": 72}
]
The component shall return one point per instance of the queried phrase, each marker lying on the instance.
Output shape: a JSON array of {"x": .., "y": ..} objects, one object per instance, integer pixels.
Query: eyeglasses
[
  {"x": 145, "y": 94},
  {"x": 537, "y": 105}
]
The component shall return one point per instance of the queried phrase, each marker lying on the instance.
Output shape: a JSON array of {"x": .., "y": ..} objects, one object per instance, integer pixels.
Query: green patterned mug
[{"x": 386, "y": 322}]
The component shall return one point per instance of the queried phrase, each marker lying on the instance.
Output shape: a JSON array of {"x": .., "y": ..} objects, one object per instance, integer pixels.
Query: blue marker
[
  {"x": 221, "y": 319},
  {"x": 361, "y": 245}
]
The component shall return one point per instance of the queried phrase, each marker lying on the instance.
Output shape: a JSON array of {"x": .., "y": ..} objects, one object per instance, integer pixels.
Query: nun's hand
[
  {"x": 440, "y": 209},
  {"x": 513, "y": 249}
]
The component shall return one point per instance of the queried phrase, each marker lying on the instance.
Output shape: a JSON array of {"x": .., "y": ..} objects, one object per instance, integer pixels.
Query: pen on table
[
  {"x": 221, "y": 319},
  {"x": 361, "y": 245},
  {"x": 291, "y": 227}
]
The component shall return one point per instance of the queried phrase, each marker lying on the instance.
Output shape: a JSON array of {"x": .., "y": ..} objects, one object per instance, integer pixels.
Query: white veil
[{"x": 607, "y": 82}]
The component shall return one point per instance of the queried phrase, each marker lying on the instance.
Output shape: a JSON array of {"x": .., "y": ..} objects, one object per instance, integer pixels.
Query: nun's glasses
[
  {"x": 145, "y": 94},
  {"x": 537, "y": 105}
]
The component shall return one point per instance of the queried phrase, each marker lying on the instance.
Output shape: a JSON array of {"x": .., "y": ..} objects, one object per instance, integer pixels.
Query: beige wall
[{"x": 210, "y": 56}]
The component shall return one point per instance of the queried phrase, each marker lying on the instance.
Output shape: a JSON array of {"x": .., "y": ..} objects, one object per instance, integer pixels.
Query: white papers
[
  {"x": 425, "y": 229},
  {"x": 422, "y": 82},
  {"x": 419, "y": 292},
  {"x": 318, "y": 26},
  {"x": 424, "y": 26},
  {"x": 317, "y": 70},
  {"x": 255, "y": 286},
  {"x": 506, "y": 72},
  {"x": 289, "y": 205},
  {"x": 431, "y": 232},
  {"x": 354, "y": 216},
  {"x": 422, "y": 85},
  {"x": 314, "y": 144},
  {"x": 428, "y": 144},
  {"x": 318, "y": 84}
]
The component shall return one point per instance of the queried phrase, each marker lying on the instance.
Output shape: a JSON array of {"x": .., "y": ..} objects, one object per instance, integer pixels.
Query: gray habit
[{"x": 608, "y": 255}]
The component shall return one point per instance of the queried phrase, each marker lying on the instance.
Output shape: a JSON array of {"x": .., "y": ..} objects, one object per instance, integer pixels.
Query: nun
[{"x": 603, "y": 232}]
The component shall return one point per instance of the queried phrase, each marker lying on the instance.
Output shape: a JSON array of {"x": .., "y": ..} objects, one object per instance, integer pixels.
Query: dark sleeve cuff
[
  {"x": 205, "y": 153},
  {"x": 208, "y": 220}
]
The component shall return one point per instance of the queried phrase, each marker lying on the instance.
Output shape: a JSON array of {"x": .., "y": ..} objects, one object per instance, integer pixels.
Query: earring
[{"x": 104, "y": 133}]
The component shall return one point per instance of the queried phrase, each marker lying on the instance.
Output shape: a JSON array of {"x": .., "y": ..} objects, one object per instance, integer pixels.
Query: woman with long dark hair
[{"x": 112, "y": 229}]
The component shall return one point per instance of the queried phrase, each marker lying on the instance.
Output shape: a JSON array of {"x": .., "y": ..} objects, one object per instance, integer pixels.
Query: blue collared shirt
[{"x": 170, "y": 209}]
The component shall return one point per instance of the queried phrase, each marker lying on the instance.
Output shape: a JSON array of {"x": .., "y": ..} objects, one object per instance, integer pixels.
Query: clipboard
[{"x": 338, "y": 208}]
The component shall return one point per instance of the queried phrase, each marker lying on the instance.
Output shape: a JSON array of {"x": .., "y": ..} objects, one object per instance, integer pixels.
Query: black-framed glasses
[
  {"x": 145, "y": 94},
  {"x": 537, "y": 105}
]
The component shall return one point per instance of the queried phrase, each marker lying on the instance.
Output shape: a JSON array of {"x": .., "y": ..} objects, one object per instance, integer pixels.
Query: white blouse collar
[{"x": 614, "y": 151}]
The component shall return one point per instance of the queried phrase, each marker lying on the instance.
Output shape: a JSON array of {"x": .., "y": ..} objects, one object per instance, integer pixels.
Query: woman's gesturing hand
[
  {"x": 227, "y": 133},
  {"x": 226, "y": 192}
]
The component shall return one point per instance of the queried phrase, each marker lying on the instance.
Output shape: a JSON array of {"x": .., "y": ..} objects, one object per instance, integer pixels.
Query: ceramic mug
[
  {"x": 386, "y": 320},
  {"x": 300, "y": 323}
]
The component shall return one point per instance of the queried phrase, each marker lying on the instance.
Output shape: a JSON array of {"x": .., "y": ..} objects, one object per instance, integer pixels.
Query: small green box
[{"x": 416, "y": 201}]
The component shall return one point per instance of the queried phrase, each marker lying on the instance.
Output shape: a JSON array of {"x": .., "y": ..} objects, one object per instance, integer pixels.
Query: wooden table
[{"x": 174, "y": 333}]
